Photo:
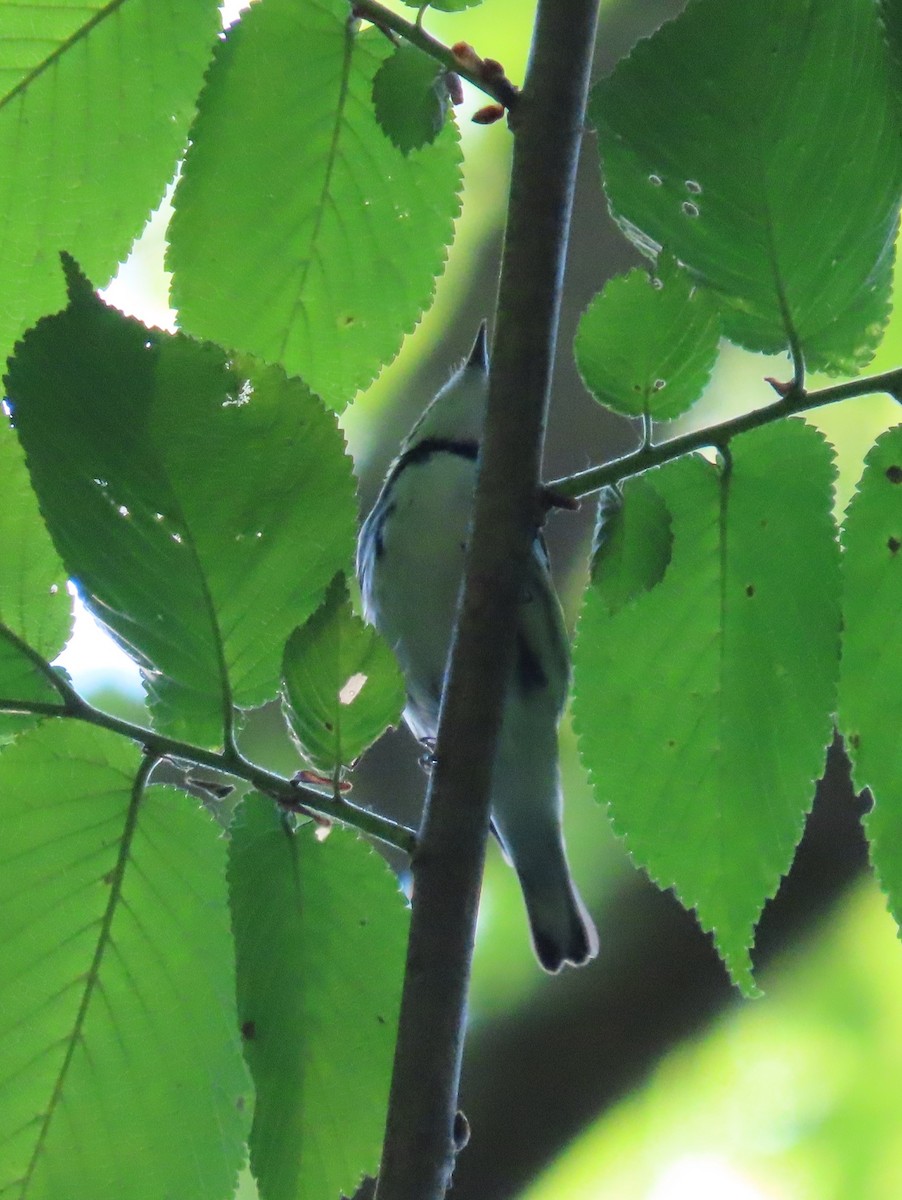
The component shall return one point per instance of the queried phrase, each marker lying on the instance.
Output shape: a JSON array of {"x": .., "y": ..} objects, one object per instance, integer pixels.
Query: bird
[{"x": 410, "y": 563}]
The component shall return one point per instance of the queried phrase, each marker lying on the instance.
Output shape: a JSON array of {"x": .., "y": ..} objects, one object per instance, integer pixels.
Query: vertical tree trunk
[{"x": 548, "y": 120}]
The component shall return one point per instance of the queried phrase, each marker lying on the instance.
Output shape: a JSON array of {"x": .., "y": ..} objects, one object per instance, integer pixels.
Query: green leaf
[
  {"x": 328, "y": 238},
  {"x": 202, "y": 504},
  {"x": 95, "y": 103},
  {"x": 342, "y": 686},
  {"x": 648, "y": 345},
  {"x": 633, "y": 544},
  {"x": 870, "y": 698},
  {"x": 121, "y": 1070},
  {"x": 891, "y": 15},
  {"x": 320, "y": 929},
  {"x": 703, "y": 705},
  {"x": 35, "y": 608},
  {"x": 726, "y": 139},
  {"x": 449, "y": 6},
  {"x": 410, "y": 98}
]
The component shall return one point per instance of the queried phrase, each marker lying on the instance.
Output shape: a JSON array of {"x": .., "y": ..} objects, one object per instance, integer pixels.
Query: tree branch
[
  {"x": 288, "y": 793},
  {"x": 419, "y": 1146},
  {"x": 718, "y": 436}
]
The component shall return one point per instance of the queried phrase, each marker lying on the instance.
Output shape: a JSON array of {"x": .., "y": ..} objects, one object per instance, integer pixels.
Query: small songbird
[{"x": 410, "y": 561}]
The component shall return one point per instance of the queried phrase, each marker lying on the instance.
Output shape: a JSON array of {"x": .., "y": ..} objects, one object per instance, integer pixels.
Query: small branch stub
[
  {"x": 486, "y": 73},
  {"x": 783, "y": 388},
  {"x": 488, "y": 114}
]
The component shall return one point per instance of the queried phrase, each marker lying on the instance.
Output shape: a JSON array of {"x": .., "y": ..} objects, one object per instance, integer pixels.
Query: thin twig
[
  {"x": 289, "y": 793},
  {"x": 795, "y": 401}
]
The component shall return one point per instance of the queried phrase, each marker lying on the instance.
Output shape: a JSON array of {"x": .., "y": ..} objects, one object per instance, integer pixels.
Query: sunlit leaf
[
  {"x": 95, "y": 103},
  {"x": 703, "y": 703},
  {"x": 202, "y": 504},
  {"x": 319, "y": 930},
  {"x": 647, "y": 345},
  {"x": 120, "y": 1069},
  {"x": 328, "y": 238},
  {"x": 342, "y": 685},
  {"x": 795, "y": 1097},
  {"x": 410, "y": 98}
]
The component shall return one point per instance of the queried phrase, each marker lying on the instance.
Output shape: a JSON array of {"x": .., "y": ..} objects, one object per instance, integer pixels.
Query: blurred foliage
[{"x": 792, "y": 1098}]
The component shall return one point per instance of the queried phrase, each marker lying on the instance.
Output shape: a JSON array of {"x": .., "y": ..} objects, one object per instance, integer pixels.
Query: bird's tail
[
  {"x": 526, "y": 816},
  {"x": 561, "y": 928},
  {"x": 526, "y": 792}
]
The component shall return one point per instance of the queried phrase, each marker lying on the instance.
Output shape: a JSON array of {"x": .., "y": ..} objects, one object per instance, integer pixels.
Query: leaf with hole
[
  {"x": 341, "y": 684},
  {"x": 870, "y": 698},
  {"x": 201, "y": 503},
  {"x": 725, "y": 138},
  {"x": 647, "y": 345}
]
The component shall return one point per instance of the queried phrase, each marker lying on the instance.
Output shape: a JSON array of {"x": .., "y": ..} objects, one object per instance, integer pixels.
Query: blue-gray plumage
[{"x": 410, "y": 560}]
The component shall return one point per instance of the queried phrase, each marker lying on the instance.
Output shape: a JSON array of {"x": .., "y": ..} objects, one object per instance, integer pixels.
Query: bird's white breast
[{"x": 418, "y": 574}]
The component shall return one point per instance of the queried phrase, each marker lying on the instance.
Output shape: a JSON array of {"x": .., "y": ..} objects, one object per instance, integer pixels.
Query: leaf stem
[
  {"x": 288, "y": 793},
  {"x": 796, "y": 400},
  {"x": 491, "y": 81}
]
